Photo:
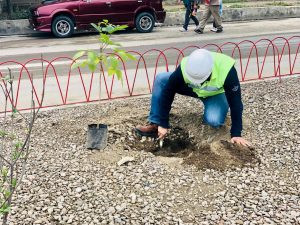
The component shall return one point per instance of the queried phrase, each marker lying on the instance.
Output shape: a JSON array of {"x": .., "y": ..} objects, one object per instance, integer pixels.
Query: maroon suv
[{"x": 62, "y": 17}]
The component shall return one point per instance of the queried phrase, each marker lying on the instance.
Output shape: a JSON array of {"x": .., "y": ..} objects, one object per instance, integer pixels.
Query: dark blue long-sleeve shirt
[{"x": 232, "y": 89}]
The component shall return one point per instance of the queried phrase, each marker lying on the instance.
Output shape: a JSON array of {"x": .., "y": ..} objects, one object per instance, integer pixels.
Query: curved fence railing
[{"x": 53, "y": 83}]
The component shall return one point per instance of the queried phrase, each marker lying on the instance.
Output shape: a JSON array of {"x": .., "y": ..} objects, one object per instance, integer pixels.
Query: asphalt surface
[
  {"x": 27, "y": 47},
  {"x": 22, "y": 49}
]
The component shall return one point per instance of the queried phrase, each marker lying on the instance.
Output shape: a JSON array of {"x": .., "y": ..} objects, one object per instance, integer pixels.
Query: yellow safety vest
[{"x": 214, "y": 86}]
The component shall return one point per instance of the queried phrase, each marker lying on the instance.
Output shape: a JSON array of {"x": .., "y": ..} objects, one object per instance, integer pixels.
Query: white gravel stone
[{"x": 67, "y": 184}]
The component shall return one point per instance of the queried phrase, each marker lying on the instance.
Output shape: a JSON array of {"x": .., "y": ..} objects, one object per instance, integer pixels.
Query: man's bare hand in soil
[
  {"x": 162, "y": 132},
  {"x": 241, "y": 141}
]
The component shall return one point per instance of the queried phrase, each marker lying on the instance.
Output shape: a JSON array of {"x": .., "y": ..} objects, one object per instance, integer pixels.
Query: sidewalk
[{"x": 12, "y": 27}]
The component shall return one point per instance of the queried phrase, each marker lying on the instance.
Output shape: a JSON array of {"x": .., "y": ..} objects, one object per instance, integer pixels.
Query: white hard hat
[{"x": 199, "y": 66}]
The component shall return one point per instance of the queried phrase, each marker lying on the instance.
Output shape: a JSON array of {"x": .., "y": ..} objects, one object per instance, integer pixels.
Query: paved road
[
  {"x": 23, "y": 48},
  {"x": 161, "y": 38}
]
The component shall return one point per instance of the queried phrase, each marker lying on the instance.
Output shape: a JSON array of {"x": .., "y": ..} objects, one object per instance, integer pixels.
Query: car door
[
  {"x": 94, "y": 11},
  {"x": 124, "y": 10}
]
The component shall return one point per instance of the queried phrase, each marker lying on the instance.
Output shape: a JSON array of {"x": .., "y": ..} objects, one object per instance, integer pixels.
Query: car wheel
[
  {"x": 144, "y": 22},
  {"x": 62, "y": 27}
]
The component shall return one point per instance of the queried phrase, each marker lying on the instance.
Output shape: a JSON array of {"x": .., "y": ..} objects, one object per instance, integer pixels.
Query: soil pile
[{"x": 197, "y": 144}]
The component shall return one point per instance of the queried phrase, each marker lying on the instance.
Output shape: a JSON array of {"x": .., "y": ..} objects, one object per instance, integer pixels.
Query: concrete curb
[{"x": 11, "y": 27}]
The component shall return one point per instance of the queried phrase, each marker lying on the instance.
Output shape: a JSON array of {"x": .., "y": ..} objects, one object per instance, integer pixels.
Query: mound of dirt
[{"x": 197, "y": 144}]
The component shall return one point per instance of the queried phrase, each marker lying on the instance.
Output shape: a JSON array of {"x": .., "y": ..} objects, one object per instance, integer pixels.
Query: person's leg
[
  {"x": 187, "y": 17},
  {"x": 215, "y": 11},
  {"x": 215, "y": 110},
  {"x": 214, "y": 28},
  {"x": 196, "y": 21},
  {"x": 203, "y": 20},
  {"x": 159, "y": 83}
]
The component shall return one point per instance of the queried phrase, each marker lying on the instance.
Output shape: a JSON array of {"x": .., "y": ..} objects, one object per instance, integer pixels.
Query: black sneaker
[
  {"x": 198, "y": 31},
  {"x": 219, "y": 30}
]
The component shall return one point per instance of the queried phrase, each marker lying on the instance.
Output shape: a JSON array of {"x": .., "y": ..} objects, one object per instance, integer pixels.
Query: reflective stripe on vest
[{"x": 214, "y": 86}]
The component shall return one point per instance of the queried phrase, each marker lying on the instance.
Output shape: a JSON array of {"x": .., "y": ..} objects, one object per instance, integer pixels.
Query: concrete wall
[{"x": 9, "y": 27}]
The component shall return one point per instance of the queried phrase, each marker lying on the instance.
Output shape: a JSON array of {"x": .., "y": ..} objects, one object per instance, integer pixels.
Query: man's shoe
[
  {"x": 214, "y": 29},
  {"x": 198, "y": 31},
  {"x": 149, "y": 130},
  {"x": 183, "y": 30},
  {"x": 219, "y": 30}
]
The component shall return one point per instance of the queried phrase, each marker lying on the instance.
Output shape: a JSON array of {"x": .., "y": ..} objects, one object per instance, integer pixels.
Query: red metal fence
[{"x": 58, "y": 85}]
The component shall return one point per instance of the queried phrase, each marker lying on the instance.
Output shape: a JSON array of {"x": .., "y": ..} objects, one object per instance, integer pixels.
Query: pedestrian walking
[
  {"x": 209, "y": 76},
  {"x": 190, "y": 13},
  {"x": 214, "y": 28},
  {"x": 212, "y": 7}
]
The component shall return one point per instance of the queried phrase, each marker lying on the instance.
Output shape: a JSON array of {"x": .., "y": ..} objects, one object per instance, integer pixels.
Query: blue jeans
[
  {"x": 188, "y": 16},
  {"x": 215, "y": 107}
]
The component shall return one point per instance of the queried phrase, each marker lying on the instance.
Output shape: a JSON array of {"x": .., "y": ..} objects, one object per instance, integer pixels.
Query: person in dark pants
[
  {"x": 190, "y": 13},
  {"x": 209, "y": 76}
]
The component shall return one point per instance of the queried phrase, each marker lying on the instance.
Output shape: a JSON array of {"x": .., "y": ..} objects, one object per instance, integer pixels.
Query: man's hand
[
  {"x": 241, "y": 141},
  {"x": 162, "y": 132}
]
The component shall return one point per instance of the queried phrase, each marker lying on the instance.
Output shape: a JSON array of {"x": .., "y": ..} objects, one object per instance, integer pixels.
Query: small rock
[{"x": 125, "y": 160}]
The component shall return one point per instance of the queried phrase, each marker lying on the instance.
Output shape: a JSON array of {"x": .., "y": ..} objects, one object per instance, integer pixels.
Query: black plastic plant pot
[{"x": 97, "y": 136}]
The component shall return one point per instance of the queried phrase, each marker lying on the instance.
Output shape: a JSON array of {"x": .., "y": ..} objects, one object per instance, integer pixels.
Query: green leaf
[
  {"x": 7, "y": 193},
  {"x": 114, "y": 62},
  {"x": 92, "y": 67},
  {"x": 104, "y": 38},
  {"x": 130, "y": 56},
  {"x": 75, "y": 65},
  {"x": 4, "y": 172},
  {"x": 78, "y": 55},
  {"x": 18, "y": 145},
  {"x": 3, "y": 133},
  {"x": 4, "y": 209},
  {"x": 122, "y": 55},
  {"x": 14, "y": 182},
  {"x": 121, "y": 27},
  {"x": 119, "y": 75},
  {"x": 84, "y": 63},
  {"x": 111, "y": 71},
  {"x": 110, "y": 29},
  {"x": 92, "y": 57},
  {"x": 98, "y": 28}
]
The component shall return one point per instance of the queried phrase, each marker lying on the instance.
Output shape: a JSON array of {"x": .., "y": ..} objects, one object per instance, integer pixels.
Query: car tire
[
  {"x": 144, "y": 22},
  {"x": 62, "y": 27}
]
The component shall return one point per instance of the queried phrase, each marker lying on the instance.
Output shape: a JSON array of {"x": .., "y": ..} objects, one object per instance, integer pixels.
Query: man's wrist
[{"x": 236, "y": 135}]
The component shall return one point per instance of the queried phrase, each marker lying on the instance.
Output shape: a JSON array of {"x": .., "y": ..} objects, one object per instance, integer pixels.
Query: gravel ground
[{"x": 67, "y": 184}]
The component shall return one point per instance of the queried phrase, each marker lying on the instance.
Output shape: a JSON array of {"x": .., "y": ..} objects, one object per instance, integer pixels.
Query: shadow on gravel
[{"x": 198, "y": 145}]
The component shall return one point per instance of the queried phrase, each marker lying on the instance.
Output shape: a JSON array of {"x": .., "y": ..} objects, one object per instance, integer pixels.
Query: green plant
[
  {"x": 108, "y": 61},
  {"x": 280, "y": 3},
  {"x": 237, "y": 6},
  {"x": 14, "y": 145}
]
